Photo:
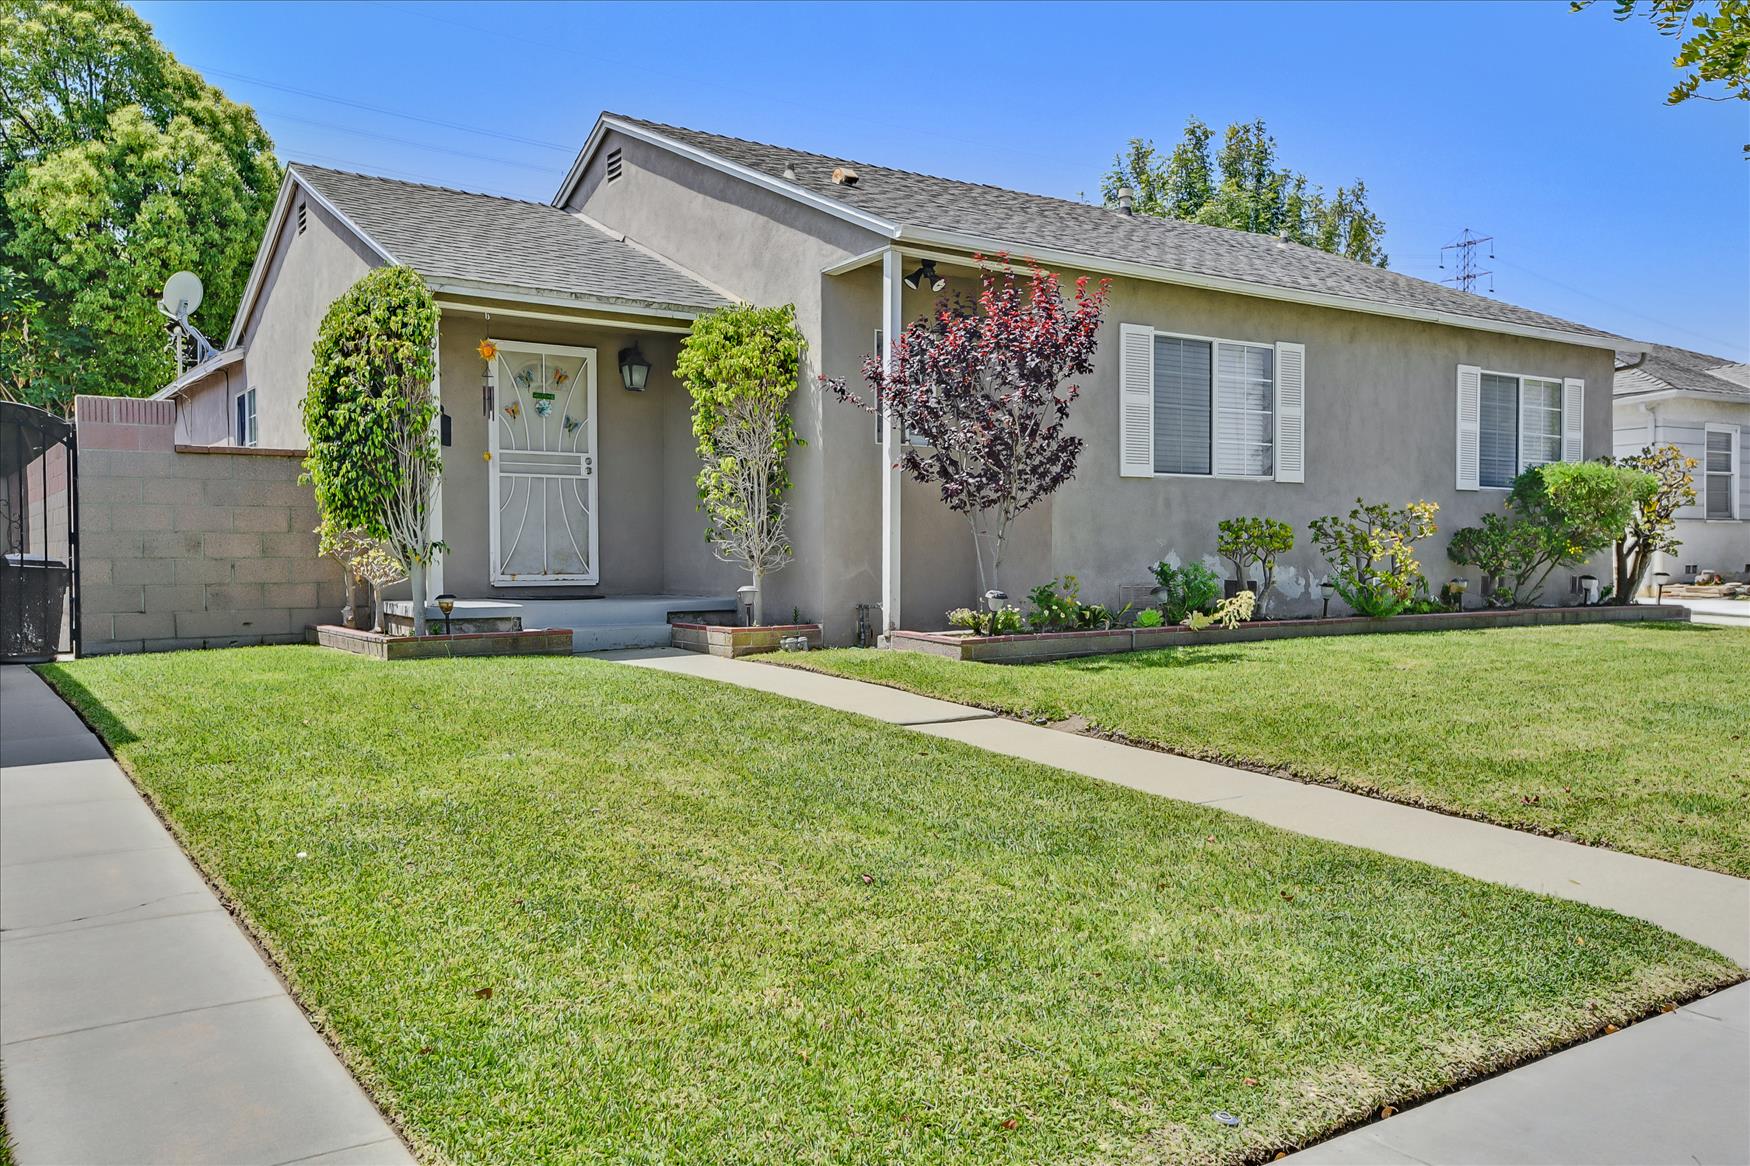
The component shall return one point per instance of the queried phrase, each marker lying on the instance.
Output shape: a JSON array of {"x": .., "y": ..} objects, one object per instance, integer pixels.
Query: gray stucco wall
[
  {"x": 766, "y": 249},
  {"x": 204, "y": 410},
  {"x": 305, "y": 274},
  {"x": 651, "y": 538},
  {"x": 1380, "y": 424}
]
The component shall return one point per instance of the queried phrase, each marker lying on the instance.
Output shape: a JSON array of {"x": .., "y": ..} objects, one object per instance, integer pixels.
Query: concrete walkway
[
  {"x": 1672, "y": 1089},
  {"x": 138, "y": 1024}
]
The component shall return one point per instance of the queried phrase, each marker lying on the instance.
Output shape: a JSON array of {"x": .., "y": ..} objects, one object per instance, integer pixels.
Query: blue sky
[{"x": 1539, "y": 126}]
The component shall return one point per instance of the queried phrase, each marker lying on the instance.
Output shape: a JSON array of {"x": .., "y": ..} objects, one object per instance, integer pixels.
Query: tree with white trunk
[{"x": 740, "y": 364}]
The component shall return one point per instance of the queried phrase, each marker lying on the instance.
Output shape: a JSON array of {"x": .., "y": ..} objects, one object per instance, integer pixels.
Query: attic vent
[
  {"x": 300, "y": 218},
  {"x": 844, "y": 176},
  {"x": 613, "y": 163}
]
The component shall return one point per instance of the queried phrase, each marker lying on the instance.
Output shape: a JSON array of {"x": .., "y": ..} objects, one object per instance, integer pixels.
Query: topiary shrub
[{"x": 371, "y": 419}]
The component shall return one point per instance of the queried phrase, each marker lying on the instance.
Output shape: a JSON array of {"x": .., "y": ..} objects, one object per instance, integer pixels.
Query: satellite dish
[{"x": 182, "y": 295}]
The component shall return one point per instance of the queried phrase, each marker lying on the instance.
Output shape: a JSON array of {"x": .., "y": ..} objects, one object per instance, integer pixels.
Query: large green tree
[
  {"x": 1713, "y": 43},
  {"x": 1244, "y": 187},
  {"x": 118, "y": 166}
]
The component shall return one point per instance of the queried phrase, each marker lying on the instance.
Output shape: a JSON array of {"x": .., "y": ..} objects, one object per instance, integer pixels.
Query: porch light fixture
[
  {"x": 1326, "y": 590},
  {"x": 1662, "y": 578},
  {"x": 925, "y": 276},
  {"x": 634, "y": 369},
  {"x": 446, "y": 603}
]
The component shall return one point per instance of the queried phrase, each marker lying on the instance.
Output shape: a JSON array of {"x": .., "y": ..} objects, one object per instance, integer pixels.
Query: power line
[
  {"x": 1637, "y": 313},
  {"x": 327, "y": 125},
  {"x": 411, "y": 176},
  {"x": 347, "y": 101}
]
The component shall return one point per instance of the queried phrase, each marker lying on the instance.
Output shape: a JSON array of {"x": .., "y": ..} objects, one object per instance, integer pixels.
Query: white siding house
[{"x": 1701, "y": 404}]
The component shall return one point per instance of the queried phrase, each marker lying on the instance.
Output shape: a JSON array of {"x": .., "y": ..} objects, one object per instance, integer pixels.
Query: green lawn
[
  {"x": 719, "y": 926},
  {"x": 1636, "y": 736}
]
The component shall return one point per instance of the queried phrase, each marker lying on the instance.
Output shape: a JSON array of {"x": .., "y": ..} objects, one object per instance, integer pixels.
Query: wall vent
[
  {"x": 300, "y": 218},
  {"x": 613, "y": 164}
]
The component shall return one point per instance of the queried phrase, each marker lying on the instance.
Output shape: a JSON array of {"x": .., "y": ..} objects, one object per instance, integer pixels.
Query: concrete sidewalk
[
  {"x": 138, "y": 1024},
  {"x": 1672, "y": 1089}
]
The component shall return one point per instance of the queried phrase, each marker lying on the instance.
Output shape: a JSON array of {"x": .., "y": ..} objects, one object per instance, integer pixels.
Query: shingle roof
[
  {"x": 449, "y": 234},
  {"x": 1696, "y": 373},
  {"x": 1020, "y": 221}
]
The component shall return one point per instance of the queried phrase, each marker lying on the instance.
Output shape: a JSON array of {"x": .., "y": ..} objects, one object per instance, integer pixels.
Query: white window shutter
[
  {"x": 1290, "y": 412},
  {"x": 1136, "y": 401},
  {"x": 1470, "y": 416},
  {"x": 1573, "y": 420}
]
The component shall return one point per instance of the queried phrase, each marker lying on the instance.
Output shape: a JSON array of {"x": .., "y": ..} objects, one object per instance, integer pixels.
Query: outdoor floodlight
[{"x": 925, "y": 276}]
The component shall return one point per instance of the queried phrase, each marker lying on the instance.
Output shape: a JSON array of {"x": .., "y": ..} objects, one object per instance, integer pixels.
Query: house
[
  {"x": 1238, "y": 374},
  {"x": 1701, "y": 404}
]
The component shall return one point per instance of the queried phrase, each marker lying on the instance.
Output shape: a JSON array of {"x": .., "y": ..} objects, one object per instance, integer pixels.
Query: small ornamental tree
[
  {"x": 1248, "y": 542},
  {"x": 1506, "y": 549},
  {"x": 740, "y": 364},
  {"x": 1652, "y": 528},
  {"x": 979, "y": 389},
  {"x": 1577, "y": 509},
  {"x": 372, "y": 420},
  {"x": 1372, "y": 553}
]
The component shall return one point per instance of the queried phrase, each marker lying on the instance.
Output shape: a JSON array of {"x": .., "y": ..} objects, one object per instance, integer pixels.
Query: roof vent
[
  {"x": 789, "y": 173},
  {"x": 1126, "y": 197},
  {"x": 844, "y": 176},
  {"x": 613, "y": 166},
  {"x": 300, "y": 218}
]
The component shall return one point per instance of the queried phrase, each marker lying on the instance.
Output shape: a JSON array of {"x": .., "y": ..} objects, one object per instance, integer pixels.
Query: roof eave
[
  {"x": 1159, "y": 274},
  {"x": 522, "y": 294},
  {"x": 221, "y": 360}
]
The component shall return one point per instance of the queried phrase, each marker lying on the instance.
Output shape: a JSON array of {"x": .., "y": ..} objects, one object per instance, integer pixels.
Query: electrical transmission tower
[{"x": 1466, "y": 261}]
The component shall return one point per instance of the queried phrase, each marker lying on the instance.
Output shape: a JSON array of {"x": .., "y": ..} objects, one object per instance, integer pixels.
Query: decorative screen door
[{"x": 542, "y": 467}]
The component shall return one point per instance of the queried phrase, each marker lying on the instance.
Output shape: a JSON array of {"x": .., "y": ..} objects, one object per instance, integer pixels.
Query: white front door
[{"x": 542, "y": 468}]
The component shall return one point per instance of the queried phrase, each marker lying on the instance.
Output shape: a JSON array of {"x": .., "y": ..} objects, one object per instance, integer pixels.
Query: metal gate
[{"x": 39, "y": 535}]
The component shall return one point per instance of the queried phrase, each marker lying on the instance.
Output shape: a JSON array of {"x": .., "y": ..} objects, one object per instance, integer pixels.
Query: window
[
  {"x": 1214, "y": 407},
  {"x": 1520, "y": 423},
  {"x": 247, "y": 431},
  {"x": 1721, "y": 471},
  {"x": 1217, "y": 408}
]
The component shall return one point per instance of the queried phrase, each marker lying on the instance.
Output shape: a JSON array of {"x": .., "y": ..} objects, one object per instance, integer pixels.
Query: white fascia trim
[
  {"x": 275, "y": 224},
  {"x": 1245, "y": 288},
  {"x": 559, "y": 317},
  {"x": 223, "y": 360},
  {"x": 791, "y": 190},
  {"x": 516, "y": 295},
  {"x": 854, "y": 262}
]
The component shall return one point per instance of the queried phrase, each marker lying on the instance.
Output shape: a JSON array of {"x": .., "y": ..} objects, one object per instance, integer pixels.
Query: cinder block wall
[{"x": 192, "y": 546}]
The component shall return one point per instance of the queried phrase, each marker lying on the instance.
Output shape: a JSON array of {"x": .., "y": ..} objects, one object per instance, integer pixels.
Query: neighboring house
[
  {"x": 1237, "y": 374},
  {"x": 1701, "y": 404}
]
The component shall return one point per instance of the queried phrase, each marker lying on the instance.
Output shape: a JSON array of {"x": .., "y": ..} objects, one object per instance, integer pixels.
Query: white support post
[
  {"x": 435, "y": 577},
  {"x": 892, "y": 288}
]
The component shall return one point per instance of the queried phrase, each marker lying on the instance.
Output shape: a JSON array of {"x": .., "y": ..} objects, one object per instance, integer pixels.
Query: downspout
[{"x": 892, "y": 288}]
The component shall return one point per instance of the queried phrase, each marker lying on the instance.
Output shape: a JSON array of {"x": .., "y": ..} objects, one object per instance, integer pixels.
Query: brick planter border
[
  {"x": 535, "y": 642},
  {"x": 729, "y": 641},
  {"x": 1037, "y": 646}
]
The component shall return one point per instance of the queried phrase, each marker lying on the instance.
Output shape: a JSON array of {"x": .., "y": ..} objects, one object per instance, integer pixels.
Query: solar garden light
[
  {"x": 1458, "y": 585},
  {"x": 995, "y": 601},
  {"x": 1589, "y": 589},
  {"x": 1661, "y": 578},
  {"x": 745, "y": 596},
  {"x": 1326, "y": 590},
  {"x": 446, "y": 604}
]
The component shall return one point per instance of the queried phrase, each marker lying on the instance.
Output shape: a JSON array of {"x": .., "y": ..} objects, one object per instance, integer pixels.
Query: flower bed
[
  {"x": 1036, "y": 646},
  {"x": 524, "y": 642},
  {"x": 729, "y": 641}
]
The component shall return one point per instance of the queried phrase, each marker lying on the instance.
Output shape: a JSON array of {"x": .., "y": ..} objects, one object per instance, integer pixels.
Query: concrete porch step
[{"x": 608, "y": 639}]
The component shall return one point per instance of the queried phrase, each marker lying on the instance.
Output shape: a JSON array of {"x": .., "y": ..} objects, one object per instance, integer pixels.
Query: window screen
[{"x": 1719, "y": 474}]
